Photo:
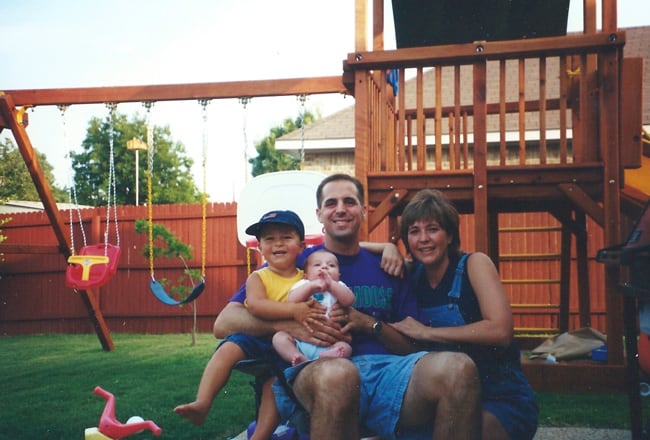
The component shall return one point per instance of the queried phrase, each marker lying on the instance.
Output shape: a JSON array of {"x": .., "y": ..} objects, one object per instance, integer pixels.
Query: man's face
[{"x": 341, "y": 212}]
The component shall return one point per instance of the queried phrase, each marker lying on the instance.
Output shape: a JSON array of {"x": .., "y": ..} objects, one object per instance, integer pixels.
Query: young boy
[
  {"x": 281, "y": 237},
  {"x": 321, "y": 282}
]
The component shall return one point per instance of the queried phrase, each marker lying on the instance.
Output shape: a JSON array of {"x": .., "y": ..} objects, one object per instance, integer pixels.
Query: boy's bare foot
[
  {"x": 195, "y": 412},
  {"x": 298, "y": 359}
]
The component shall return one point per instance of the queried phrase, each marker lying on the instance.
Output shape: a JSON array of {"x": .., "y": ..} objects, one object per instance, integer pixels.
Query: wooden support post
[
  {"x": 584, "y": 302},
  {"x": 9, "y": 115},
  {"x": 609, "y": 68},
  {"x": 362, "y": 135},
  {"x": 480, "y": 157},
  {"x": 565, "y": 274}
]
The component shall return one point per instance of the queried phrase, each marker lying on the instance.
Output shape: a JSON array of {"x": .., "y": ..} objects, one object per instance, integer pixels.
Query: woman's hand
[{"x": 412, "y": 328}]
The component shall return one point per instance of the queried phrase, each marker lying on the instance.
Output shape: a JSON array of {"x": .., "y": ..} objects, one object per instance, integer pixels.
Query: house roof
[{"x": 337, "y": 130}]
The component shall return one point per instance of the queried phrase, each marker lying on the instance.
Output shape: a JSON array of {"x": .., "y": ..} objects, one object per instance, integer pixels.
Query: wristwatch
[{"x": 377, "y": 327}]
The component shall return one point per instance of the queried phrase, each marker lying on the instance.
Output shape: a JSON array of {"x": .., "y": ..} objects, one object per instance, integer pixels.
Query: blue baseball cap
[{"x": 277, "y": 217}]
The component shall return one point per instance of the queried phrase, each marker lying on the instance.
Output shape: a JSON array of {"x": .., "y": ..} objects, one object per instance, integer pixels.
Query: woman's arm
[
  {"x": 495, "y": 328},
  {"x": 393, "y": 340}
]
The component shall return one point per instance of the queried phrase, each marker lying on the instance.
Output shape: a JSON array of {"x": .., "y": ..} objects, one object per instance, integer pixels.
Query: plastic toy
[{"x": 112, "y": 429}]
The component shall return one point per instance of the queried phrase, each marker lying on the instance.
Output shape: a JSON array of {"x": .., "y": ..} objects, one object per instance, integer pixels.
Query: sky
[{"x": 86, "y": 43}]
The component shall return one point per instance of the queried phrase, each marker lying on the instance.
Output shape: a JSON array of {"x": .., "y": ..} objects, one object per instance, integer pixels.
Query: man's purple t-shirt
[{"x": 378, "y": 294}]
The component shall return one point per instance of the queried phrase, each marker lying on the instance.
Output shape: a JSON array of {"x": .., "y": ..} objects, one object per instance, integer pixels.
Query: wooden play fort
[{"x": 462, "y": 117}]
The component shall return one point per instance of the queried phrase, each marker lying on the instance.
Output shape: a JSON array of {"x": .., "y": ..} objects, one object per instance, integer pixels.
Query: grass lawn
[{"x": 47, "y": 383}]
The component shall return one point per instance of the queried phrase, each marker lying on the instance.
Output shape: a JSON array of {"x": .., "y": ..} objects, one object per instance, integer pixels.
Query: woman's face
[{"x": 428, "y": 242}]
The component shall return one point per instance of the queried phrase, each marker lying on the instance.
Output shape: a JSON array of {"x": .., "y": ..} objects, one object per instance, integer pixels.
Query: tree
[
  {"x": 166, "y": 245},
  {"x": 15, "y": 181},
  {"x": 268, "y": 159},
  {"x": 172, "y": 179}
]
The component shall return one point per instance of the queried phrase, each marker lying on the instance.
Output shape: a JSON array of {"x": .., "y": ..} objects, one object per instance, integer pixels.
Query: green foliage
[
  {"x": 167, "y": 245},
  {"x": 3, "y": 221},
  {"x": 15, "y": 181},
  {"x": 268, "y": 158},
  {"x": 172, "y": 178}
]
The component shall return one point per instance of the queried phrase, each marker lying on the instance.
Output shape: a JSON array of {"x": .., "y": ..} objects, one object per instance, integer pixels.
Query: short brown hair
[
  {"x": 335, "y": 177},
  {"x": 431, "y": 204}
]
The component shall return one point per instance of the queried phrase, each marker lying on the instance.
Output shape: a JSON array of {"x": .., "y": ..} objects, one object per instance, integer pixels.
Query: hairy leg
[
  {"x": 445, "y": 388},
  {"x": 339, "y": 349},
  {"x": 285, "y": 345},
  {"x": 268, "y": 418},
  {"x": 215, "y": 376},
  {"x": 329, "y": 390}
]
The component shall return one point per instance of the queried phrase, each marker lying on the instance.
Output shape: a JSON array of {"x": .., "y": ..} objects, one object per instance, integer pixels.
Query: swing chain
[
  {"x": 72, "y": 189},
  {"x": 244, "y": 102},
  {"x": 302, "y": 99},
  {"x": 112, "y": 191}
]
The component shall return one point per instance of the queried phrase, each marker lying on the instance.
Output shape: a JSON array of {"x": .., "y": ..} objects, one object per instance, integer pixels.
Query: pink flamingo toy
[{"x": 110, "y": 427}]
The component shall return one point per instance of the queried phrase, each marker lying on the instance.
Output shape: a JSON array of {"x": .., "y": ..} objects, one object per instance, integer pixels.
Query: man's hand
[
  {"x": 308, "y": 312},
  {"x": 392, "y": 261},
  {"x": 322, "y": 333}
]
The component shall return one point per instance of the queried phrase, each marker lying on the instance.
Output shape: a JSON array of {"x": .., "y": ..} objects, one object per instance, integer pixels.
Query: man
[{"x": 436, "y": 394}]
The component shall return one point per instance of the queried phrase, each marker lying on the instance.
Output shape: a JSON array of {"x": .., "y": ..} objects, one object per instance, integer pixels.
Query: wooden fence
[{"x": 34, "y": 298}]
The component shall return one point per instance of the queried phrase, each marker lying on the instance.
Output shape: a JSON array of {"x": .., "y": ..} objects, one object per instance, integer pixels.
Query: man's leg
[
  {"x": 329, "y": 390},
  {"x": 445, "y": 388}
]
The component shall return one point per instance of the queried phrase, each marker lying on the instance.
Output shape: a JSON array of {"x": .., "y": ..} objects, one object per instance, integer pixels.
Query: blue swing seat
[{"x": 159, "y": 291}]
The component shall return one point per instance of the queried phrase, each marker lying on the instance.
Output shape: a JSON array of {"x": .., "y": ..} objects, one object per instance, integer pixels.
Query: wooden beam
[
  {"x": 575, "y": 377},
  {"x": 6, "y": 248},
  {"x": 583, "y": 201},
  {"x": 429, "y": 56},
  {"x": 385, "y": 207},
  {"x": 178, "y": 92}
]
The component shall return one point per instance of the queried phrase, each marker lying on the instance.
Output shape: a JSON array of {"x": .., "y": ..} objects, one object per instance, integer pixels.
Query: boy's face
[
  {"x": 322, "y": 262},
  {"x": 280, "y": 245}
]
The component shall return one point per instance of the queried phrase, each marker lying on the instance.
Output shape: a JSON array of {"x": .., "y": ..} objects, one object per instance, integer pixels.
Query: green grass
[{"x": 47, "y": 382}]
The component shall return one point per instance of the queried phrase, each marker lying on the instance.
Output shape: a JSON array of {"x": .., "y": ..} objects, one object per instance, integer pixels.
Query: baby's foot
[
  {"x": 195, "y": 412},
  {"x": 298, "y": 359},
  {"x": 334, "y": 352}
]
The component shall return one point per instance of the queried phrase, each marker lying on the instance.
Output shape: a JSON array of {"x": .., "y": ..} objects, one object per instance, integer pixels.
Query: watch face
[{"x": 377, "y": 327}]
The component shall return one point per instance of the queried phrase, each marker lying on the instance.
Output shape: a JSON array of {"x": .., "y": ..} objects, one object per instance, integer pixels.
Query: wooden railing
[{"x": 485, "y": 104}]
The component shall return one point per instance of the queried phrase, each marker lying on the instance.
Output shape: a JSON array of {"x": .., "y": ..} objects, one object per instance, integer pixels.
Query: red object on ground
[{"x": 111, "y": 427}]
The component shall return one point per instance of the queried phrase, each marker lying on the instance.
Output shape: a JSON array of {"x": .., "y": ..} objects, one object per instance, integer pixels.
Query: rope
[
  {"x": 204, "y": 229},
  {"x": 148, "y": 106}
]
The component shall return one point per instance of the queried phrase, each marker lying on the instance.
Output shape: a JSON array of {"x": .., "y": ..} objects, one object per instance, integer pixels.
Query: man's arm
[
  {"x": 392, "y": 261},
  {"x": 235, "y": 318},
  {"x": 388, "y": 336}
]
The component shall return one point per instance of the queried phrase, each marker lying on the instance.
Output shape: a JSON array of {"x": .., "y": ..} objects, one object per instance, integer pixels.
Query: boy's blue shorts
[{"x": 254, "y": 348}]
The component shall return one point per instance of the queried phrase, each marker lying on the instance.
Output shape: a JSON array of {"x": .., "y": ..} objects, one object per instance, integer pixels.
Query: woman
[{"x": 464, "y": 307}]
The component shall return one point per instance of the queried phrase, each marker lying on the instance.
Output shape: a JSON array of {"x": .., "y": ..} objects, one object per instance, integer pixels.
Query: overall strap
[{"x": 454, "y": 292}]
